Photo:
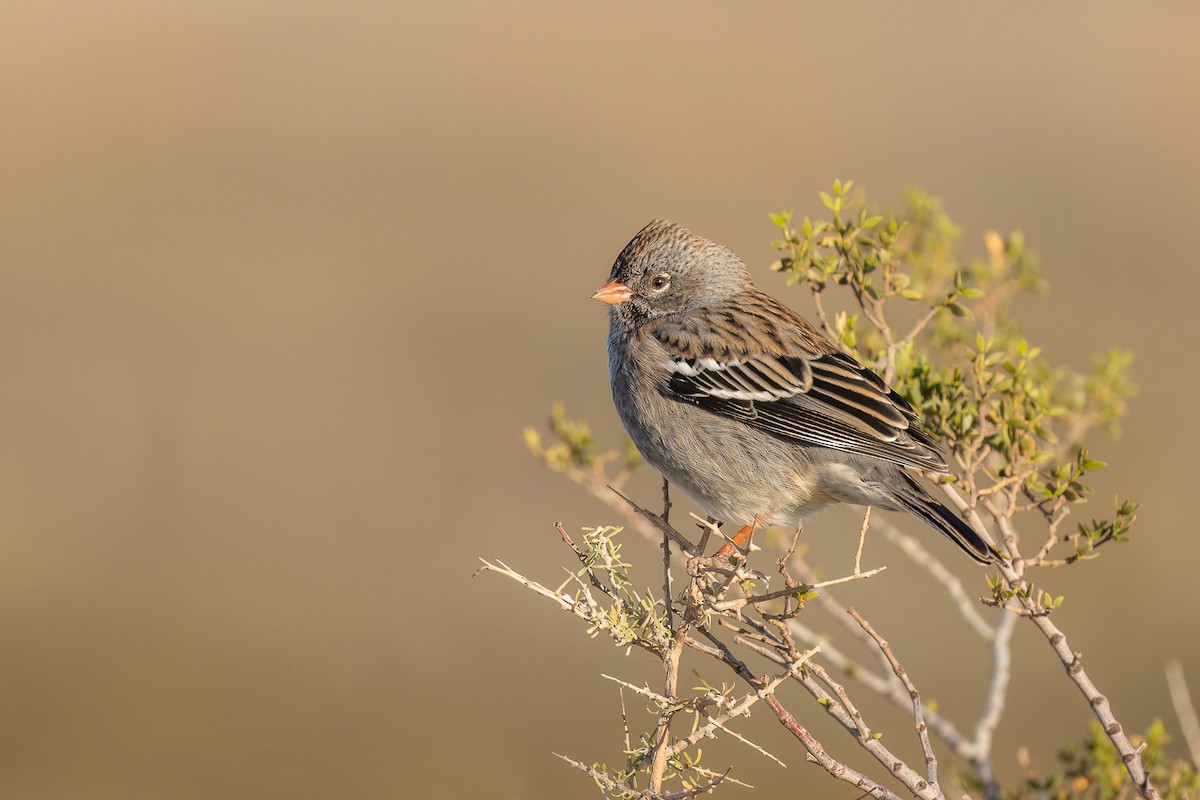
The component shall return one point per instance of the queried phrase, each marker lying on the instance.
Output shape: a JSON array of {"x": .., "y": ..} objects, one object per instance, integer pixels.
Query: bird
[{"x": 749, "y": 409}]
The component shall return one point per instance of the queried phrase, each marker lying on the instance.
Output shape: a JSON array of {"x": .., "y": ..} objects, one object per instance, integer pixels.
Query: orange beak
[{"x": 612, "y": 293}]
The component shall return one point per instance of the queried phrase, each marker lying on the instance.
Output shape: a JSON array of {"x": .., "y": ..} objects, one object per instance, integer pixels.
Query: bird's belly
[{"x": 735, "y": 474}]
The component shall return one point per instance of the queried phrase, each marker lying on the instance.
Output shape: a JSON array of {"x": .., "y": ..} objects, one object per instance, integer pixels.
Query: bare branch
[
  {"x": 625, "y": 727},
  {"x": 658, "y": 522},
  {"x": 741, "y": 709},
  {"x": 748, "y": 743},
  {"x": 666, "y": 548},
  {"x": 799, "y": 588},
  {"x": 1070, "y": 659},
  {"x": 612, "y": 785},
  {"x": 670, "y": 689},
  {"x": 839, "y": 691},
  {"x": 606, "y": 781},
  {"x": 644, "y": 691},
  {"x": 918, "y": 710},
  {"x": 857, "y": 576},
  {"x": 862, "y": 539},
  {"x": 816, "y": 751}
]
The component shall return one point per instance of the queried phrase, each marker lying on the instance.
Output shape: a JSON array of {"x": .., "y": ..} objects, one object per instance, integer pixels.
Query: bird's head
[{"x": 667, "y": 269}]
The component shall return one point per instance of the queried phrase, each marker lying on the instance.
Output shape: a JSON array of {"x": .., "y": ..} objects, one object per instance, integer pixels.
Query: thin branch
[
  {"x": 1070, "y": 659},
  {"x": 839, "y": 713},
  {"x": 858, "y": 576},
  {"x": 816, "y": 751},
  {"x": 897, "y": 767},
  {"x": 885, "y": 685},
  {"x": 657, "y": 522},
  {"x": 799, "y": 588},
  {"x": 708, "y": 773},
  {"x": 612, "y": 785},
  {"x": 666, "y": 548},
  {"x": 644, "y": 691},
  {"x": 606, "y": 781},
  {"x": 583, "y": 559},
  {"x": 830, "y": 331},
  {"x": 658, "y": 766},
  {"x": 862, "y": 539},
  {"x": 625, "y": 726},
  {"x": 919, "y": 326},
  {"x": 918, "y": 709},
  {"x": 586, "y": 609},
  {"x": 891, "y": 690},
  {"x": 749, "y": 743},
  {"x": 698, "y": 790},
  {"x": 838, "y": 612},
  {"x": 742, "y": 708},
  {"x": 864, "y": 732}
]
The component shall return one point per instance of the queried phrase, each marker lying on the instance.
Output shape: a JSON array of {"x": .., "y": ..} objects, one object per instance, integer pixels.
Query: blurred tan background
[{"x": 280, "y": 283}]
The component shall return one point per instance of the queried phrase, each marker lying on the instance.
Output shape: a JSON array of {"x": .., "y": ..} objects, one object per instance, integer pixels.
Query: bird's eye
[{"x": 661, "y": 282}]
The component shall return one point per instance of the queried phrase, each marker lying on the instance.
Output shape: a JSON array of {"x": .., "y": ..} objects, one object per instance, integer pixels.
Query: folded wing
[{"x": 790, "y": 382}]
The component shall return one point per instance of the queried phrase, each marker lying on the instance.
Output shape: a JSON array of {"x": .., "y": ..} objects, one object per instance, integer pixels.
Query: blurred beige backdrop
[{"x": 280, "y": 283}]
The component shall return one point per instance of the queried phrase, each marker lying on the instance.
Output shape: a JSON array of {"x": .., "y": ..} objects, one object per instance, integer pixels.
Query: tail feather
[{"x": 951, "y": 525}]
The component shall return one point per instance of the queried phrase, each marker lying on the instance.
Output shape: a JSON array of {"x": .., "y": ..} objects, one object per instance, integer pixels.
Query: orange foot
[{"x": 739, "y": 540}]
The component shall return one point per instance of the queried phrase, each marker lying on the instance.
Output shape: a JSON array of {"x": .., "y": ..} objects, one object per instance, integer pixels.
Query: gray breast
[{"x": 730, "y": 470}]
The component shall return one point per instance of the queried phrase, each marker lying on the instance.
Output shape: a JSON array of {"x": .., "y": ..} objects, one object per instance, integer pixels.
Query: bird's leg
[{"x": 739, "y": 540}]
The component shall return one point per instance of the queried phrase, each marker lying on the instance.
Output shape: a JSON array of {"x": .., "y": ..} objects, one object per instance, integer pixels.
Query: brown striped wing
[{"x": 790, "y": 383}]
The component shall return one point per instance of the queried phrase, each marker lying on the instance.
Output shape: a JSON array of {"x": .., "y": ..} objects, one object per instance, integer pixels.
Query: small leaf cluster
[
  {"x": 574, "y": 445},
  {"x": 685, "y": 768},
  {"x": 1011, "y": 421},
  {"x": 632, "y": 617},
  {"x": 868, "y": 254},
  {"x": 1067, "y": 479},
  {"x": 849, "y": 250},
  {"x": 999, "y": 406},
  {"x": 1093, "y": 770},
  {"x": 574, "y": 448},
  {"x": 1042, "y": 602},
  {"x": 1096, "y": 532}
]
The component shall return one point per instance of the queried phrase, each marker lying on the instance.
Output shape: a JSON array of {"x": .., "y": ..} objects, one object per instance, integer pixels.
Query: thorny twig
[{"x": 816, "y": 751}]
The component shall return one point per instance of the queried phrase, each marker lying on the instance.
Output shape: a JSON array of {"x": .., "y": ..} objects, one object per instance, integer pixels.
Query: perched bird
[{"x": 745, "y": 406}]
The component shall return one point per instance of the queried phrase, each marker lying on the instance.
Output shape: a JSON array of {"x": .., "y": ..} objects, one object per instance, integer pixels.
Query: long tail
[{"x": 947, "y": 522}]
